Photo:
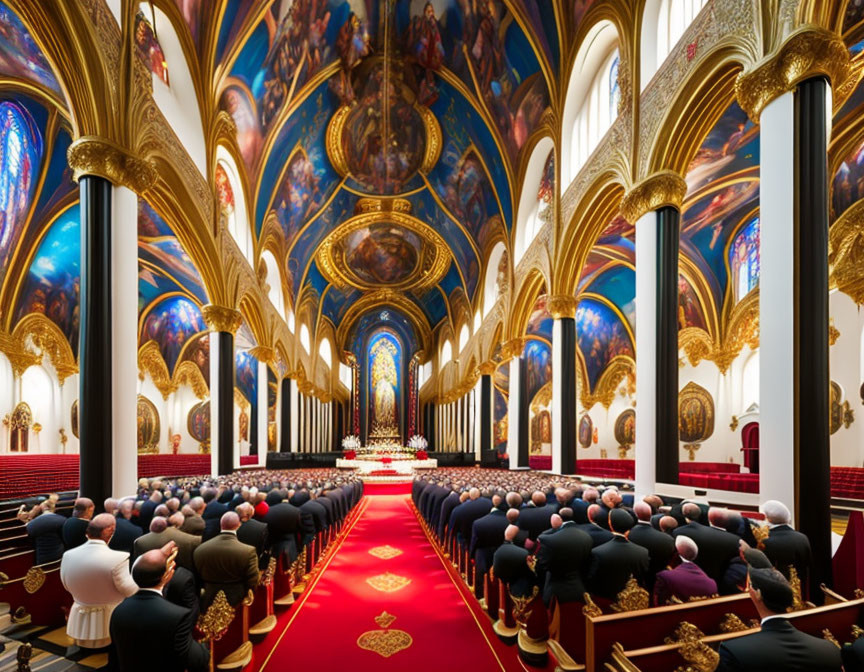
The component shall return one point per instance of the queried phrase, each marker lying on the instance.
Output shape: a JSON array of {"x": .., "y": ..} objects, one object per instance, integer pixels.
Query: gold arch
[
  {"x": 398, "y": 300},
  {"x": 531, "y": 289},
  {"x": 42, "y": 333}
]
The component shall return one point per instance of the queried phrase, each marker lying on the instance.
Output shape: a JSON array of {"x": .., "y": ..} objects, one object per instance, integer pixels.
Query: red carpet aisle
[{"x": 385, "y": 602}]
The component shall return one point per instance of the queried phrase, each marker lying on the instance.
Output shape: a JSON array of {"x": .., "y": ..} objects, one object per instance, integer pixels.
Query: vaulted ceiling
[{"x": 381, "y": 140}]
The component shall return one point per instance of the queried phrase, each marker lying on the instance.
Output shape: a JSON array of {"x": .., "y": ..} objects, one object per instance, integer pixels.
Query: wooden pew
[
  {"x": 261, "y": 610},
  {"x": 283, "y": 583},
  {"x": 647, "y": 627},
  {"x": 835, "y": 622},
  {"x": 35, "y": 590},
  {"x": 226, "y": 630}
]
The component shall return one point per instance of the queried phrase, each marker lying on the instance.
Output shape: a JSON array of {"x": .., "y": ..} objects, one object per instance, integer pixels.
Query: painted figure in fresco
[
  {"x": 242, "y": 111},
  {"x": 351, "y": 45},
  {"x": 19, "y": 54},
  {"x": 382, "y": 254},
  {"x": 20, "y": 148},
  {"x": 384, "y": 384},
  {"x": 149, "y": 48},
  {"x": 689, "y": 314},
  {"x": 545, "y": 427},
  {"x": 424, "y": 42},
  {"x": 299, "y": 194},
  {"x": 244, "y": 426}
]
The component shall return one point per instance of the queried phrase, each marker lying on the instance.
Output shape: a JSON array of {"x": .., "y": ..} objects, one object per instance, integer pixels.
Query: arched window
[
  {"x": 304, "y": 337},
  {"x": 663, "y": 24},
  {"x": 446, "y": 353},
  {"x": 232, "y": 203},
  {"x": 496, "y": 280},
  {"x": 536, "y": 197},
  {"x": 593, "y": 95},
  {"x": 750, "y": 382},
  {"x": 463, "y": 337},
  {"x": 326, "y": 352},
  {"x": 20, "y": 159},
  {"x": 274, "y": 282},
  {"x": 744, "y": 260}
]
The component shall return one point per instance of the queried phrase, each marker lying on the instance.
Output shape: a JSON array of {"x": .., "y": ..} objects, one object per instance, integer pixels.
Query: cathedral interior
[{"x": 395, "y": 242}]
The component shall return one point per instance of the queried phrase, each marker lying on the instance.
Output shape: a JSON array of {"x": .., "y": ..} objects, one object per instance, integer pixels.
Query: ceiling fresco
[{"x": 349, "y": 108}]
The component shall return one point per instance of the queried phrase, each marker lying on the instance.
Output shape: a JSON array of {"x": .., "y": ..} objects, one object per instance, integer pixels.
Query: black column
[
  {"x": 668, "y": 219},
  {"x": 430, "y": 425},
  {"x": 812, "y": 415},
  {"x": 225, "y": 403},
  {"x": 486, "y": 447},
  {"x": 94, "y": 343},
  {"x": 567, "y": 422},
  {"x": 285, "y": 417},
  {"x": 523, "y": 411}
]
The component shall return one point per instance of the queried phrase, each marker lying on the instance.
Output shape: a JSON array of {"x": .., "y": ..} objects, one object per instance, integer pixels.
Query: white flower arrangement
[
  {"x": 417, "y": 442},
  {"x": 351, "y": 442}
]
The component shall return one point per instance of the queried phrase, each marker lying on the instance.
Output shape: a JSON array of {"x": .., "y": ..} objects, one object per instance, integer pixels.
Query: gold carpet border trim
[
  {"x": 361, "y": 509},
  {"x": 448, "y": 569}
]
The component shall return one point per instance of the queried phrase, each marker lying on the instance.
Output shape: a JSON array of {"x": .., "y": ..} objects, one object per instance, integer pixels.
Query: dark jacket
[
  {"x": 564, "y": 557},
  {"x": 225, "y": 563},
  {"x": 716, "y": 549},
  {"x": 74, "y": 532},
  {"x": 46, "y": 532},
  {"x": 168, "y": 640},
  {"x": 779, "y": 646},
  {"x": 685, "y": 581},
  {"x": 145, "y": 515},
  {"x": 511, "y": 567},
  {"x": 213, "y": 513},
  {"x": 182, "y": 590},
  {"x": 598, "y": 535},
  {"x": 487, "y": 534},
  {"x": 317, "y": 513},
  {"x": 787, "y": 548},
  {"x": 124, "y": 536},
  {"x": 535, "y": 520},
  {"x": 255, "y": 533},
  {"x": 471, "y": 510},
  {"x": 451, "y": 501},
  {"x": 284, "y": 522},
  {"x": 612, "y": 565},
  {"x": 660, "y": 547}
]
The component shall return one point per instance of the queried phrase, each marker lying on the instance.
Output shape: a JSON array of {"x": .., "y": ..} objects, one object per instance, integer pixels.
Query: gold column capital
[
  {"x": 487, "y": 368},
  {"x": 263, "y": 353},
  {"x": 222, "y": 318},
  {"x": 664, "y": 188},
  {"x": 808, "y": 52},
  {"x": 561, "y": 306},
  {"x": 513, "y": 348},
  {"x": 90, "y": 155}
]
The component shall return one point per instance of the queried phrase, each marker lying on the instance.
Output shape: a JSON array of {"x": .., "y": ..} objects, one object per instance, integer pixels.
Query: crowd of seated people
[
  {"x": 568, "y": 542},
  {"x": 162, "y": 556}
]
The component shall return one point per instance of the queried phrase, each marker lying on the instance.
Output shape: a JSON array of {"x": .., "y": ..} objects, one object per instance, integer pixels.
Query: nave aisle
[{"x": 384, "y": 600}]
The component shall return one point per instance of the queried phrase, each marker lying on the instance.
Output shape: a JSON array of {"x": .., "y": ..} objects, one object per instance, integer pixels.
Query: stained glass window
[
  {"x": 744, "y": 260},
  {"x": 20, "y": 155},
  {"x": 614, "y": 88}
]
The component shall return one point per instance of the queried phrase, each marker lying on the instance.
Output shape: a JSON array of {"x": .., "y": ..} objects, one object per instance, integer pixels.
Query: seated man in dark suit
[
  {"x": 148, "y": 508},
  {"x": 660, "y": 546},
  {"x": 146, "y": 627},
  {"x": 536, "y": 516},
  {"x": 563, "y": 557},
  {"x": 613, "y": 563},
  {"x": 254, "y": 533},
  {"x": 127, "y": 531},
  {"x": 779, "y": 646},
  {"x": 75, "y": 528},
  {"x": 193, "y": 523},
  {"x": 786, "y": 547},
  {"x": 46, "y": 533},
  {"x": 686, "y": 581},
  {"x": 592, "y": 528},
  {"x": 487, "y": 534},
  {"x": 213, "y": 511},
  {"x": 284, "y": 523},
  {"x": 225, "y": 563}
]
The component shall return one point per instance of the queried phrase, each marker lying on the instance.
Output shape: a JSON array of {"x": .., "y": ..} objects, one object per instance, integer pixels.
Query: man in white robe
[{"x": 98, "y": 579}]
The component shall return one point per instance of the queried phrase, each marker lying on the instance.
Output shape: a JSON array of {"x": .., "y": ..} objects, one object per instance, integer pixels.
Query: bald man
[
  {"x": 687, "y": 581},
  {"x": 127, "y": 531},
  {"x": 146, "y": 627},
  {"x": 226, "y": 564},
  {"x": 98, "y": 579},
  {"x": 660, "y": 545},
  {"x": 786, "y": 547}
]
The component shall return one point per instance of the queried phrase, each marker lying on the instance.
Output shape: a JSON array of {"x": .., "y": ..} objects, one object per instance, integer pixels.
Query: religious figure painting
[
  {"x": 848, "y": 184},
  {"x": 381, "y": 253},
  {"x": 540, "y": 322},
  {"x": 690, "y": 311},
  {"x": 538, "y": 366},
  {"x": 585, "y": 432},
  {"x": 198, "y": 425},
  {"x": 247, "y": 376},
  {"x": 148, "y": 426},
  {"x": 149, "y": 49},
  {"x": 695, "y": 414},
  {"x": 547, "y": 181},
  {"x": 238, "y": 102},
  {"x": 299, "y": 194},
  {"x": 52, "y": 283},
  {"x": 170, "y": 323},
  {"x": 384, "y": 386},
  {"x": 500, "y": 423},
  {"x": 20, "y": 56},
  {"x": 601, "y": 336},
  {"x": 467, "y": 194},
  {"x": 625, "y": 428},
  {"x": 424, "y": 46}
]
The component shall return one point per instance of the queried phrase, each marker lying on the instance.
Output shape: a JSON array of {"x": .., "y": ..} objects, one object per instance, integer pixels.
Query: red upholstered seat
[
  {"x": 247, "y": 460},
  {"x": 173, "y": 465}
]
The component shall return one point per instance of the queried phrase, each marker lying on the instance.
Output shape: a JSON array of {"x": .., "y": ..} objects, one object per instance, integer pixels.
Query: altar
[{"x": 385, "y": 462}]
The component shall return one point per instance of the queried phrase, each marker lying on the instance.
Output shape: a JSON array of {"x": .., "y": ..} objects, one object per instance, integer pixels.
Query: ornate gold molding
[
  {"x": 188, "y": 373},
  {"x": 487, "y": 368},
  {"x": 221, "y": 318},
  {"x": 150, "y": 361},
  {"x": 562, "y": 306},
  {"x": 846, "y": 252},
  {"x": 512, "y": 348},
  {"x": 97, "y": 156},
  {"x": 808, "y": 52},
  {"x": 656, "y": 191},
  {"x": 47, "y": 337},
  {"x": 263, "y": 353}
]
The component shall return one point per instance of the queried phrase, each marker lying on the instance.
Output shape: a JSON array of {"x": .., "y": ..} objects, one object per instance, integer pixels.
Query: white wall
[{"x": 847, "y": 445}]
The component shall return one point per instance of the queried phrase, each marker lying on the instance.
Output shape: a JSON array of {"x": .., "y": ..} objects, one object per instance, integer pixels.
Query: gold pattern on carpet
[
  {"x": 387, "y": 582},
  {"x": 385, "y": 552},
  {"x": 385, "y": 642}
]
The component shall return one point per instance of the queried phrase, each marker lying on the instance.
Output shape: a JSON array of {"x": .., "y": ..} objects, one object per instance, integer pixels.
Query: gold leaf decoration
[
  {"x": 34, "y": 580},
  {"x": 591, "y": 608},
  {"x": 632, "y": 598},
  {"x": 385, "y": 552},
  {"x": 215, "y": 621},
  {"x": 385, "y": 642},
  {"x": 387, "y": 582},
  {"x": 384, "y": 619}
]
